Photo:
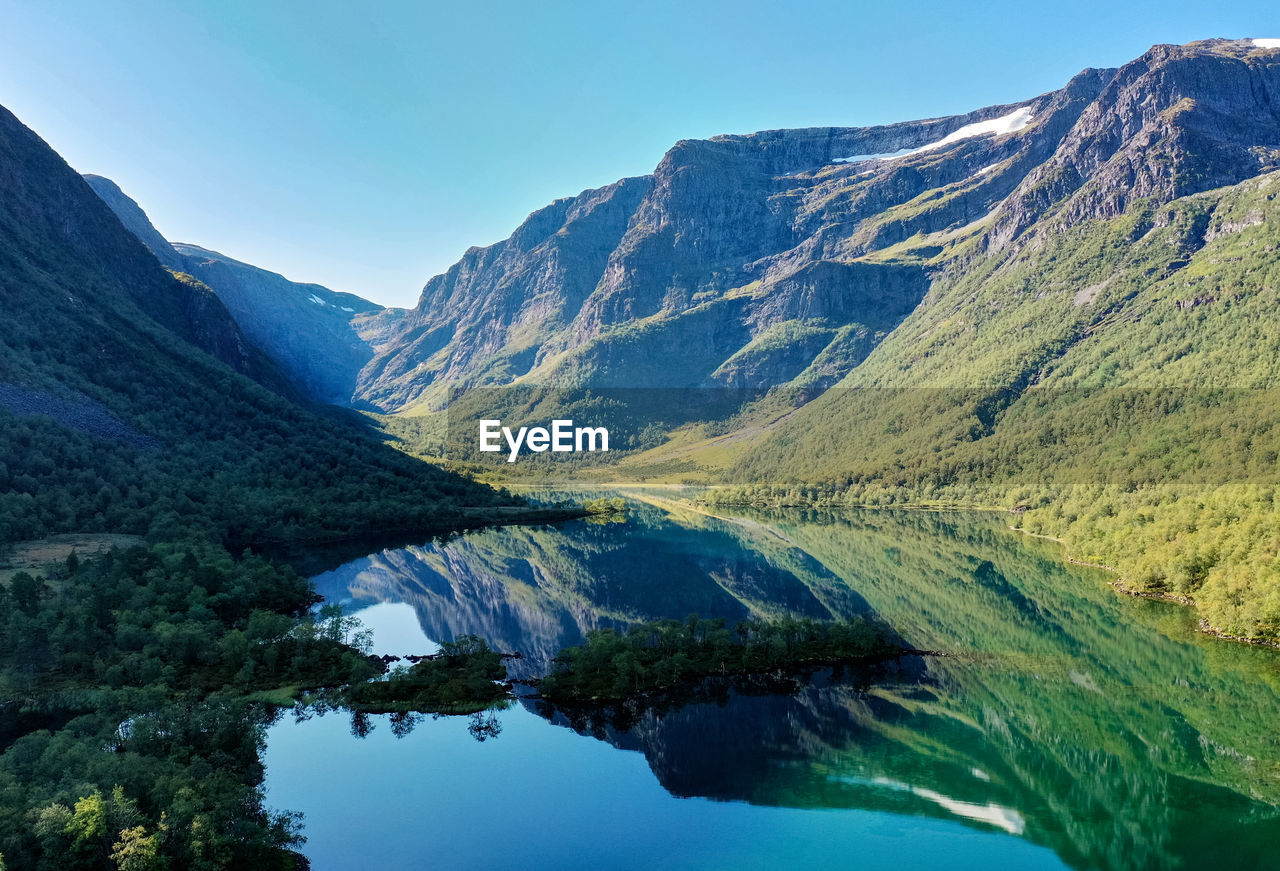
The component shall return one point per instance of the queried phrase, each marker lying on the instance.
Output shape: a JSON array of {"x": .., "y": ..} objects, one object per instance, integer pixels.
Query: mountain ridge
[
  {"x": 132, "y": 402},
  {"x": 1063, "y": 306},
  {"x": 1112, "y": 235},
  {"x": 733, "y": 255},
  {"x": 780, "y": 257},
  {"x": 306, "y": 329}
]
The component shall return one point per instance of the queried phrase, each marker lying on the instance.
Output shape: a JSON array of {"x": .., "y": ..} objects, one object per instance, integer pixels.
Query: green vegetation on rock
[
  {"x": 133, "y": 685},
  {"x": 1117, "y": 394},
  {"x": 665, "y": 654},
  {"x": 464, "y": 677}
]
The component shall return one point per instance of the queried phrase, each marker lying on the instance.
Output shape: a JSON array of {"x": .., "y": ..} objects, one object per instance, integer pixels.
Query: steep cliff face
[
  {"x": 1178, "y": 120},
  {"x": 500, "y": 310},
  {"x": 305, "y": 329},
  {"x": 1108, "y": 332},
  {"x": 727, "y": 267},
  {"x": 1154, "y": 194},
  {"x": 786, "y": 256},
  {"x": 782, "y": 257}
]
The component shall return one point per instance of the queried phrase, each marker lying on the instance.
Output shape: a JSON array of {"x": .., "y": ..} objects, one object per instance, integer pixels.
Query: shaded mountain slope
[
  {"x": 135, "y": 221},
  {"x": 53, "y": 224},
  {"x": 306, "y": 329},
  {"x": 115, "y": 419}
]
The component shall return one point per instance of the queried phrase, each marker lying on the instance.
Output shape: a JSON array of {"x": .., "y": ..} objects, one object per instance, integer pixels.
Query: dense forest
[
  {"x": 663, "y": 655},
  {"x": 1138, "y": 422},
  {"x": 131, "y": 731},
  {"x": 135, "y": 686}
]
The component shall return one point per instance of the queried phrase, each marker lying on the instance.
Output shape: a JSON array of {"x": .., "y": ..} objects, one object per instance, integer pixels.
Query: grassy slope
[{"x": 1067, "y": 379}]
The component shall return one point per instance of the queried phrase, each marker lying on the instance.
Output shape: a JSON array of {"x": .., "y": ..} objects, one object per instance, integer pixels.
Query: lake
[{"x": 1064, "y": 726}]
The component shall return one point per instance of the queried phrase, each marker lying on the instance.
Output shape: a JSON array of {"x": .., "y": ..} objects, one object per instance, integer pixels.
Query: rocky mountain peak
[
  {"x": 1176, "y": 121},
  {"x": 785, "y": 256}
]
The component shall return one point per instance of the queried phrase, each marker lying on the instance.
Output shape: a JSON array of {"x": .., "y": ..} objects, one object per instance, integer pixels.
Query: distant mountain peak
[{"x": 305, "y": 328}]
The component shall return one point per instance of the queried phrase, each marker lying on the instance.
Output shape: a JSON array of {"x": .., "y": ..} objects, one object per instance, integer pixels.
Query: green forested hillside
[
  {"x": 1114, "y": 380},
  {"x": 129, "y": 724},
  {"x": 1073, "y": 317},
  {"x": 95, "y": 331},
  {"x": 130, "y": 738}
]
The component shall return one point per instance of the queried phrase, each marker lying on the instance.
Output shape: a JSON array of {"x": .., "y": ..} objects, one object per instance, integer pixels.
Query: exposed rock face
[
  {"x": 498, "y": 312},
  {"x": 1178, "y": 120},
  {"x": 305, "y": 329},
  {"x": 740, "y": 262},
  {"x": 778, "y": 257},
  {"x": 75, "y": 411},
  {"x": 785, "y": 256}
]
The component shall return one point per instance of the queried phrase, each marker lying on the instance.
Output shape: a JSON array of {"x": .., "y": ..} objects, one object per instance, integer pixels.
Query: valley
[{"x": 710, "y": 501}]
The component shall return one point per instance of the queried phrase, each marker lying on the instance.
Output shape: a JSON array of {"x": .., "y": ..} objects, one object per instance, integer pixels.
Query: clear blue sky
[{"x": 367, "y": 149}]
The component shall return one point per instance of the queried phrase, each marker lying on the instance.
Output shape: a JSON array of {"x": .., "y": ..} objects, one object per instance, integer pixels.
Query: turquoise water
[
  {"x": 1066, "y": 727},
  {"x": 543, "y": 797}
]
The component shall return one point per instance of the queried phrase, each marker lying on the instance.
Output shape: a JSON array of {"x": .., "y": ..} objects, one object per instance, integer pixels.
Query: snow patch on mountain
[
  {"x": 1005, "y": 124},
  {"x": 860, "y": 158}
]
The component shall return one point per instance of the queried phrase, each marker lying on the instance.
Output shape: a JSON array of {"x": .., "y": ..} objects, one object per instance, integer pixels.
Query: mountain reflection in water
[{"x": 1094, "y": 724}]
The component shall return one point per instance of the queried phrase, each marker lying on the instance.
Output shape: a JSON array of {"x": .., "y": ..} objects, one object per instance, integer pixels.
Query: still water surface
[{"x": 1067, "y": 727}]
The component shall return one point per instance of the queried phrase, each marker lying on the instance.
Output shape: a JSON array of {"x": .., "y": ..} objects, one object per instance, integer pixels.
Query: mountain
[
  {"x": 307, "y": 330},
  {"x": 782, "y": 257},
  {"x": 787, "y": 256},
  {"x": 1063, "y": 306},
  {"x": 128, "y": 417},
  {"x": 46, "y": 212},
  {"x": 1100, "y": 352},
  {"x": 742, "y": 261},
  {"x": 124, "y": 401}
]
